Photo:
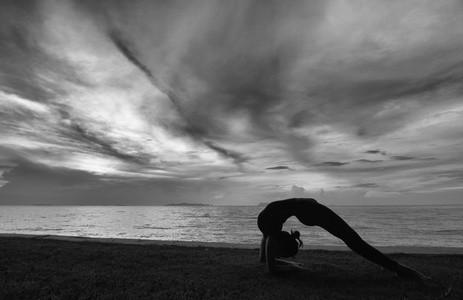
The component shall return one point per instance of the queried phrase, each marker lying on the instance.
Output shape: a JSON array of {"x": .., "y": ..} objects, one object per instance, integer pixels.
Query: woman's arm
[{"x": 263, "y": 243}]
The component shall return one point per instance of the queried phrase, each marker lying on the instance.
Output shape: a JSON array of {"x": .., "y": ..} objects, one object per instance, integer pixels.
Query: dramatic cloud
[{"x": 230, "y": 101}]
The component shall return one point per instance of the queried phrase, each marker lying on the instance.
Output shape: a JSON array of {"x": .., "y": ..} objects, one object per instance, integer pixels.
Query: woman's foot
[{"x": 407, "y": 272}]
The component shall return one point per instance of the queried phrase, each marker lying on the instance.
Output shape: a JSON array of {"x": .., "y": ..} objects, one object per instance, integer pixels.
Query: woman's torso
[{"x": 275, "y": 214}]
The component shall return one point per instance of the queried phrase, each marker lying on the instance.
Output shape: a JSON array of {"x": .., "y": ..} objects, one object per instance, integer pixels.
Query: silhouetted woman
[{"x": 277, "y": 243}]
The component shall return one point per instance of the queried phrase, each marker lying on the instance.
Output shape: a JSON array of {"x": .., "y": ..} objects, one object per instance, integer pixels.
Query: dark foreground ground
[{"x": 52, "y": 269}]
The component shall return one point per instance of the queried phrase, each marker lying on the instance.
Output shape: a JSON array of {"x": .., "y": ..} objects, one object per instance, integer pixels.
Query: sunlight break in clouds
[{"x": 231, "y": 102}]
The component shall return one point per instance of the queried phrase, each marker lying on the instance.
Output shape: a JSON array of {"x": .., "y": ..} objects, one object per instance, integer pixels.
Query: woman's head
[{"x": 290, "y": 243}]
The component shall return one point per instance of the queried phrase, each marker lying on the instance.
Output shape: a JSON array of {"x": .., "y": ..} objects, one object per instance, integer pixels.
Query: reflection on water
[{"x": 381, "y": 226}]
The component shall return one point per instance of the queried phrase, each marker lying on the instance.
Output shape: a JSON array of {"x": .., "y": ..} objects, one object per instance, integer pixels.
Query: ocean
[{"x": 423, "y": 226}]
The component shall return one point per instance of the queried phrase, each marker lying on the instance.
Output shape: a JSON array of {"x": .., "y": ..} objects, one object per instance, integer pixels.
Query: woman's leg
[
  {"x": 335, "y": 225},
  {"x": 327, "y": 219}
]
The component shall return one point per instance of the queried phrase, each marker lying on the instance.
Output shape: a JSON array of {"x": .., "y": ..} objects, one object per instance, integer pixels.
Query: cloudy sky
[{"x": 231, "y": 102}]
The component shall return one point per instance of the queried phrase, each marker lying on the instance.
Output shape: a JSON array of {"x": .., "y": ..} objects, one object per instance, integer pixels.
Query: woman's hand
[
  {"x": 287, "y": 266},
  {"x": 285, "y": 262}
]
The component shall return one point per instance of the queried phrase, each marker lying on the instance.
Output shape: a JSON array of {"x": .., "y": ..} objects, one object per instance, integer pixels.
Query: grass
[{"x": 51, "y": 269}]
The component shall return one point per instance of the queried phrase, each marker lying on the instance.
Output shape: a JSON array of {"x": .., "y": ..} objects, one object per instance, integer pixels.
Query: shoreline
[{"x": 388, "y": 249}]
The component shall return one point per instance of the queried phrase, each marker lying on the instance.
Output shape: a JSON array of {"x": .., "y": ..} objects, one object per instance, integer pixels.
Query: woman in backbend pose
[{"x": 277, "y": 243}]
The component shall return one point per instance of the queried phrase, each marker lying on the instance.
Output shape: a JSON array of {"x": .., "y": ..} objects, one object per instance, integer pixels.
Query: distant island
[
  {"x": 263, "y": 204},
  {"x": 188, "y": 204}
]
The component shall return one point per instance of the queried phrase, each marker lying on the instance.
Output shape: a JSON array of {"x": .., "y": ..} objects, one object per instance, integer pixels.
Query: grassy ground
[{"x": 50, "y": 269}]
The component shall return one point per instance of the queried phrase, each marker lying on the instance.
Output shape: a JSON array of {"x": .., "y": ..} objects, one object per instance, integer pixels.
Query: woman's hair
[{"x": 290, "y": 243}]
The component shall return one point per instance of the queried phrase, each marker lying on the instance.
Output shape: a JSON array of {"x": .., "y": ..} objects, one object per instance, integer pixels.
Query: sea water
[{"x": 423, "y": 226}]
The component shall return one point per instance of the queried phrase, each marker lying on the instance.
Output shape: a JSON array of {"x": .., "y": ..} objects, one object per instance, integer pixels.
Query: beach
[{"x": 60, "y": 267}]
